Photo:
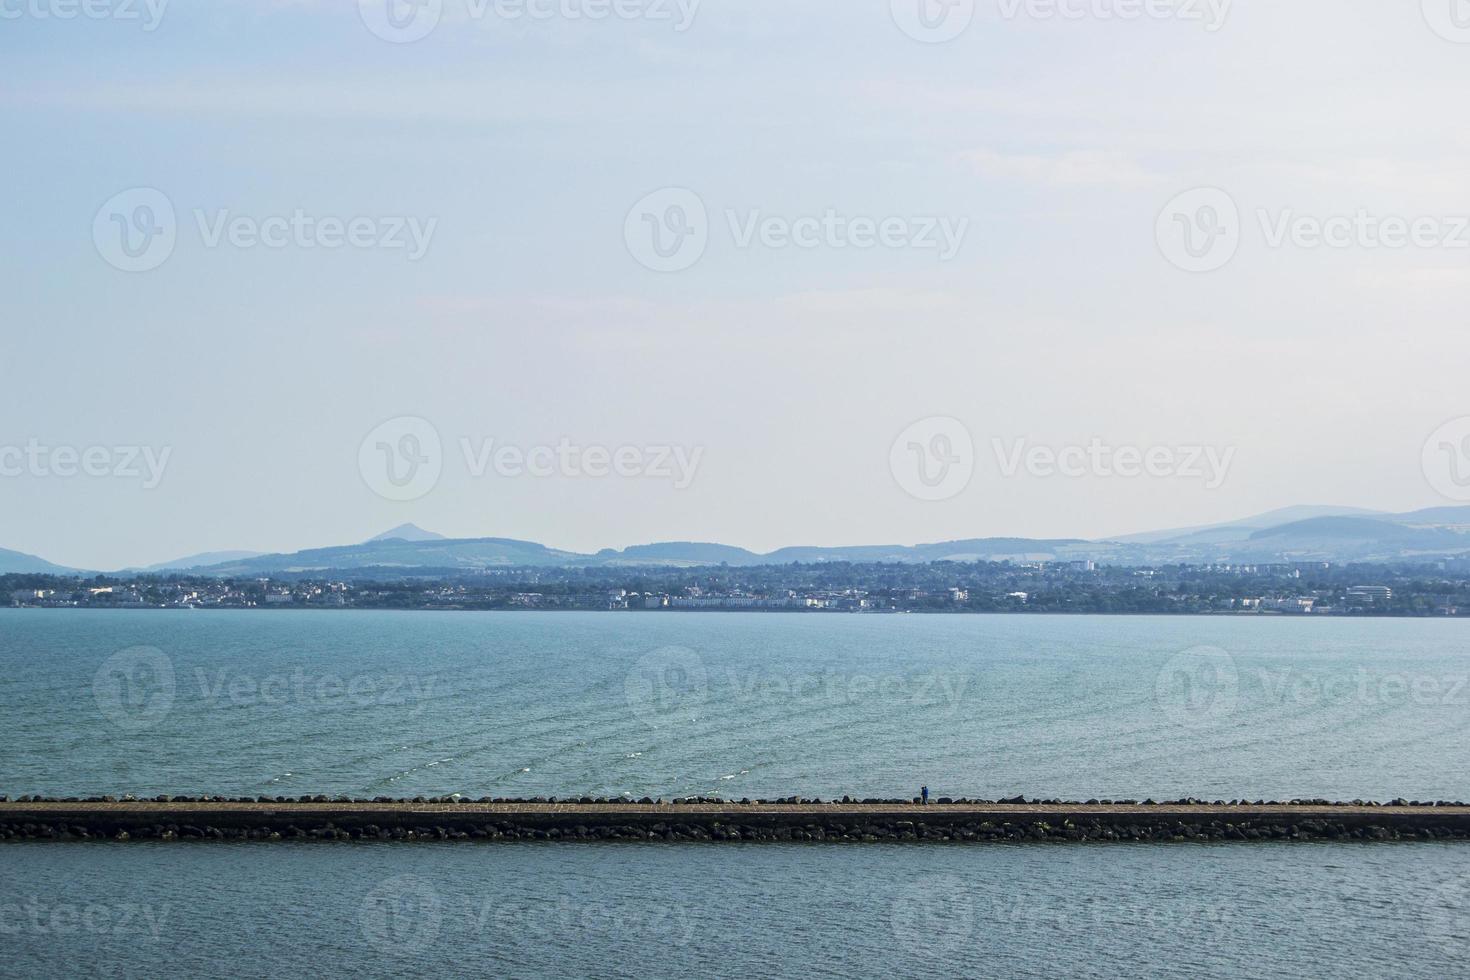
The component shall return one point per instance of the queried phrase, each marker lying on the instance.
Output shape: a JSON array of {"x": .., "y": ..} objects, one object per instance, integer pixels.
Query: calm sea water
[
  {"x": 734, "y": 911},
  {"x": 736, "y": 705},
  {"x": 531, "y": 704},
  {"x": 607, "y": 704}
]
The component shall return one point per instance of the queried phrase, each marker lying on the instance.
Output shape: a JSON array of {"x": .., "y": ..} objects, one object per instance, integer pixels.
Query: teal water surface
[
  {"x": 528, "y": 704},
  {"x": 762, "y": 911}
]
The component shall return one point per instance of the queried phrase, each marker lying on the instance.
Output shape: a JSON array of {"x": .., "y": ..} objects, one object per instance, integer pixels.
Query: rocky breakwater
[{"x": 704, "y": 819}]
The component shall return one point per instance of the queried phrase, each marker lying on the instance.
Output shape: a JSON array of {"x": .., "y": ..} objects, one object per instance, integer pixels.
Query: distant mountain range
[
  {"x": 16, "y": 562},
  {"x": 200, "y": 560},
  {"x": 406, "y": 532},
  {"x": 1335, "y": 534},
  {"x": 1274, "y": 518}
]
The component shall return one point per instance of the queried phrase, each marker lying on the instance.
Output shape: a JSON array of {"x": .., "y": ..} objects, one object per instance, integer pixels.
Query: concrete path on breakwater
[{"x": 965, "y": 821}]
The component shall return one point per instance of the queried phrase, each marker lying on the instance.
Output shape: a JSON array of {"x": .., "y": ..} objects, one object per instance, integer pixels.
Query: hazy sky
[{"x": 1057, "y": 315}]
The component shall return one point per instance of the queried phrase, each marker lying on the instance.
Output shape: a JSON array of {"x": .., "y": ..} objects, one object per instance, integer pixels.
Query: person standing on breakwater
[{"x": 924, "y": 794}]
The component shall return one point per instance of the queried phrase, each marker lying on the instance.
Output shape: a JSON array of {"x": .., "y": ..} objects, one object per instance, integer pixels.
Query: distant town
[{"x": 1441, "y": 588}]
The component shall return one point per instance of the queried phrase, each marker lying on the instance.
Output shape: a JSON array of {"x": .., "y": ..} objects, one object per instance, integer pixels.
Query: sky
[{"x": 285, "y": 273}]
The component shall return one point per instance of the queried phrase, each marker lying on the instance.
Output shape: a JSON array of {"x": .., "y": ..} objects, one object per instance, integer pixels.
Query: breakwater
[{"x": 708, "y": 820}]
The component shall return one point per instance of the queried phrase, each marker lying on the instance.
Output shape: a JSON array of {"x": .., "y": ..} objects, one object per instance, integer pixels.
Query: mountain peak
[{"x": 406, "y": 532}]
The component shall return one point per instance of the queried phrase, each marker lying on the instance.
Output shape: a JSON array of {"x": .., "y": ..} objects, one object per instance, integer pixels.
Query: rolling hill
[
  {"x": 1334, "y": 534},
  {"x": 19, "y": 563}
]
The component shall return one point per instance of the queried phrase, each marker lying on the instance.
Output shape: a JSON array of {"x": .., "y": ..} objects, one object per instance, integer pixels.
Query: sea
[{"x": 737, "y": 705}]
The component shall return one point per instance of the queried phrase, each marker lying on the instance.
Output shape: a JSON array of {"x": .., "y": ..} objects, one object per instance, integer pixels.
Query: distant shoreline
[
  {"x": 1175, "y": 590},
  {"x": 1271, "y": 615}
]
